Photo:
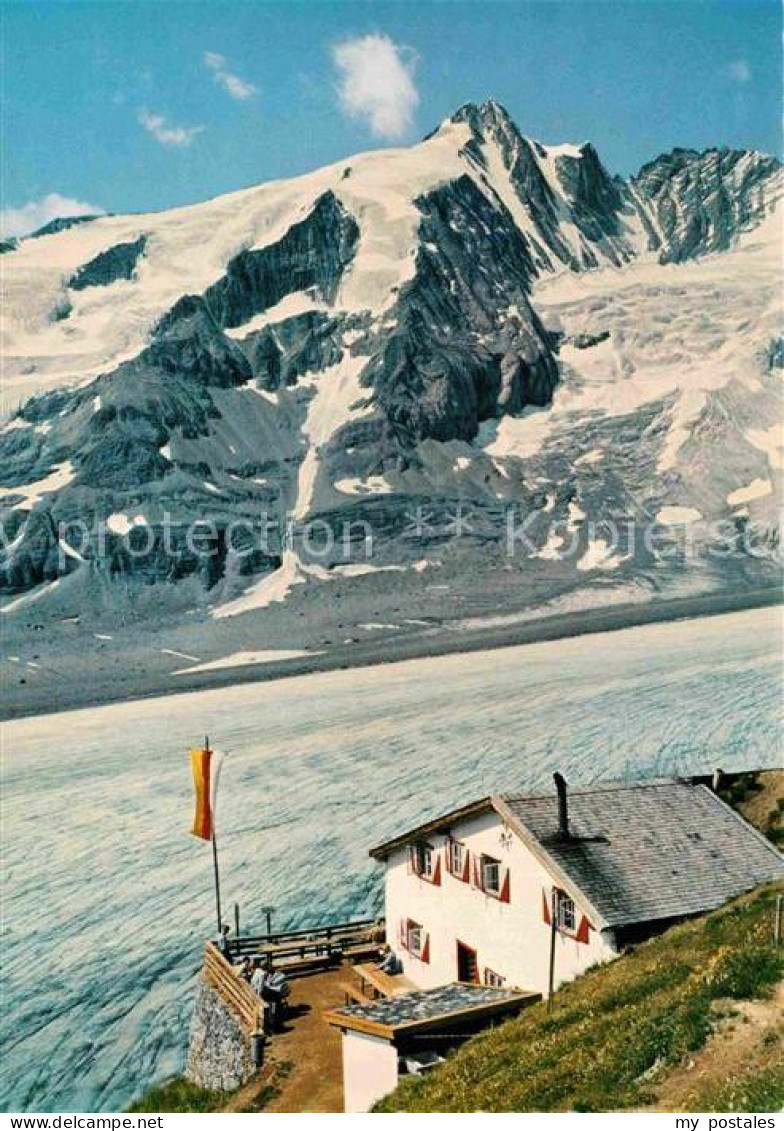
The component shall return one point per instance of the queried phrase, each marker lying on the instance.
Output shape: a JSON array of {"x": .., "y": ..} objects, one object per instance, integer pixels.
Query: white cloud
[
  {"x": 377, "y": 83},
  {"x": 232, "y": 84},
  {"x": 739, "y": 71},
  {"x": 36, "y": 213},
  {"x": 156, "y": 124}
]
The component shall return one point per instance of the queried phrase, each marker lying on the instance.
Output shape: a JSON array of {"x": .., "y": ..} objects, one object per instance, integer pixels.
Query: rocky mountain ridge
[{"x": 377, "y": 335}]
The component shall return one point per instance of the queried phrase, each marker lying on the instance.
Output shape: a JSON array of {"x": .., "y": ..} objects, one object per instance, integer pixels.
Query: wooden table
[{"x": 385, "y": 985}]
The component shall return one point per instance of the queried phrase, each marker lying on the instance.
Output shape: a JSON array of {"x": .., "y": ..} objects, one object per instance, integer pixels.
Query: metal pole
[
  {"x": 553, "y": 932},
  {"x": 217, "y": 883},
  {"x": 777, "y": 922},
  {"x": 215, "y": 860},
  {"x": 237, "y": 920}
]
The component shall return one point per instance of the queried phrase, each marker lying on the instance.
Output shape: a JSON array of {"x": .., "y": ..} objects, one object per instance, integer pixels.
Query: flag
[{"x": 206, "y": 765}]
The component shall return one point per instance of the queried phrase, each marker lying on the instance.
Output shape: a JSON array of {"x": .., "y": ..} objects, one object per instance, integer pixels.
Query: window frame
[
  {"x": 566, "y": 903},
  {"x": 457, "y": 870},
  {"x": 414, "y": 928},
  {"x": 491, "y": 978},
  {"x": 491, "y": 861},
  {"x": 421, "y": 850}
]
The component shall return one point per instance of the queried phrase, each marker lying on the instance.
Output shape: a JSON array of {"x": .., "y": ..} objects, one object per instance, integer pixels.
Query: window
[
  {"x": 493, "y": 979},
  {"x": 415, "y": 938},
  {"x": 422, "y": 858},
  {"x": 467, "y": 963},
  {"x": 567, "y": 918},
  {"x": 491, "y": 875},
  {"x": 457, "y": 858}
]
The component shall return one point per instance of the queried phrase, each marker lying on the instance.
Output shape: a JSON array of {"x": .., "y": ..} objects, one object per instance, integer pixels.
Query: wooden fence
[
  {"x": 244, "y": 1002},
  {"x": 334, "y": 939}
]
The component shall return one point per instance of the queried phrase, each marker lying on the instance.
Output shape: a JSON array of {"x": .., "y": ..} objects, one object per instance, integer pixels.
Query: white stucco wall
[
  {"x": 511, "y": 939},
  {"x": 369, "y": 1070}
]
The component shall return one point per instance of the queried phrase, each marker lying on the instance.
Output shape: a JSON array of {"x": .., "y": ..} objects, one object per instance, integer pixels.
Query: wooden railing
[
  {"x": 244, "y": 1002},
  {"x": 309, "y": 940}
]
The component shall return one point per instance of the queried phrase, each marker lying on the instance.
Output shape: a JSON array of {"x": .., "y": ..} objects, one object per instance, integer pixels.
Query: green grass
[
  {"x": 758, "y": 1091},
  {"x": 180, "y": 1095},
  {"x": 615, "y": 1028}
]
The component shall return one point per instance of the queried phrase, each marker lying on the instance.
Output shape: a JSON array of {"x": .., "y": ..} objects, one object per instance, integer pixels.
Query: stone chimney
[{"x": 563, "y": 807}]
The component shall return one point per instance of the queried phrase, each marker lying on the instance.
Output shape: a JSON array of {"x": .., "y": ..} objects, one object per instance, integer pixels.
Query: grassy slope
[
  {"x": 616, "y": 1029},
  {"x": 759, "y": 797},
  {"x": 180, "y": 1095}
]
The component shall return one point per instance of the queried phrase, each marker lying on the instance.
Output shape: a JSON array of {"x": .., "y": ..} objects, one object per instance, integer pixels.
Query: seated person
[
  {"x": 389, "y": 962},
  {"x": 257, "y": 977}
]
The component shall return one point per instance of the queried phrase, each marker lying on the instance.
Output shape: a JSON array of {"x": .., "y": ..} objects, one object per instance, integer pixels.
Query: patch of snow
[
  {"x": 757, "y": 489},
  {"x": 276, "y": 586},
  {"x": 373, "y": 485},
  {"x": 550, "y": 552},
  {"x": 34, "y": 492},
  {"x": 574, "y": 516},
  {"x": 69, "y": 551},
  {"x": 771, "y": 442},
  {"x": 599, "y": 554},
  {"x": 675, "y": 516},
  {"x": 359, "y": 569},
  {"x": 240, "y": 659},
  {"x": 119, "y": 523},
  {"x": 337, "y": 388},
  {"x": 594, "y": 456},
  {"x": 298, "y": 302},
  {"x": 29, "y": 598}
]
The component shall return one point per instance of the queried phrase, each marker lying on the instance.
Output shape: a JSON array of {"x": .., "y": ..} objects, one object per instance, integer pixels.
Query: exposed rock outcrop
[{"x": 118, "y": 262}]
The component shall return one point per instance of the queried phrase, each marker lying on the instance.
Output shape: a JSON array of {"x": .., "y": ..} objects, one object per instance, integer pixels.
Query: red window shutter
[
  {"x": 425, "y": 955},
  {"x": 504, "y": 896},
  {"x": 448, "y": 854},
  {"x": 437, "y": 870},
  {"x": 546, "y": 908},
  {"x": 584, "y": 928},
  {"x": 466, "y": 867},
  {"x": 478, "y": 874},
  {"x": 402, "y": 934}
]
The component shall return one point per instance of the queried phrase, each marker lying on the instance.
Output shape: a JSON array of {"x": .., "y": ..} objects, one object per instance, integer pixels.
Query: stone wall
[{"x": 219, "y": 1055}]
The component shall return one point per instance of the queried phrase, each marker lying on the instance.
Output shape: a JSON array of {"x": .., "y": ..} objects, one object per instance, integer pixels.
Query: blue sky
[{"x": 137, "y": 105}]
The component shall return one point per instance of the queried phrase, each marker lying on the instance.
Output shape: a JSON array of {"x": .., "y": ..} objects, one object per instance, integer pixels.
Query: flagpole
[
  {"x": 215, "y": 863},
  {"x": 217, "y": 883}
]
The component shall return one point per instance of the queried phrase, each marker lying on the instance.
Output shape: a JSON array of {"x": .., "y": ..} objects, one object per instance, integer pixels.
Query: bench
[{"x": 354, "y": 994}]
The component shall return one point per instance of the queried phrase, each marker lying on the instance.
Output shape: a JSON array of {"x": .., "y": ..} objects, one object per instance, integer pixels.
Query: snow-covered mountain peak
[{"x": 323, "y": 344}]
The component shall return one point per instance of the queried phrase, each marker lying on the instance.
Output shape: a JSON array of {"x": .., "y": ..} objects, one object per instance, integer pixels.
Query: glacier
[{"x": 108, "y": 900}]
